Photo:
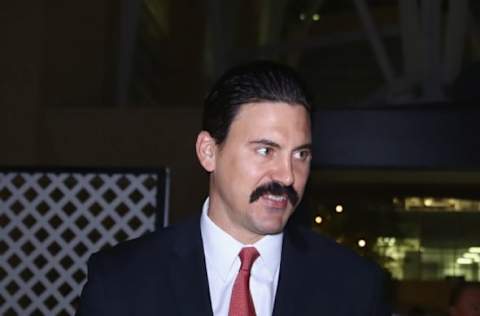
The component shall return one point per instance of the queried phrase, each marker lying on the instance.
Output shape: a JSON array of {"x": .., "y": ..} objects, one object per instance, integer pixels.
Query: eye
[
  {"x": 303, "y": 154},
  {"x": 264, "y": 151}
]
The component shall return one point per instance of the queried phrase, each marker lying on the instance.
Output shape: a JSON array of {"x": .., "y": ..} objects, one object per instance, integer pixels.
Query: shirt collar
[{"x": 222, "y": 249}]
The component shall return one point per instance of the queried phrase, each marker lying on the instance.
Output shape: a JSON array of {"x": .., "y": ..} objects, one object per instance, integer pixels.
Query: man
[
  {"x": 465, "y": 300},
  {"x": 239, "y": 258}
]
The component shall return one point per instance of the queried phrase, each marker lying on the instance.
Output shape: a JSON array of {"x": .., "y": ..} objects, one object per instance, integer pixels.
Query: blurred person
[
  {"x": 239, "y": 257},
  {"x": 465, "y": 300}
]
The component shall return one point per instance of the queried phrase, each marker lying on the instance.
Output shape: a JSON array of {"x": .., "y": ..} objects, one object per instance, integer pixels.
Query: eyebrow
[
  {"x": 304, "y": 146},
  {"x": 270, "y": 143},
  {"x": 265, "y": 142}
]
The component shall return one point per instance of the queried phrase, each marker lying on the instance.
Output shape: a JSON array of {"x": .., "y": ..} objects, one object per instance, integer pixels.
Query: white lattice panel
[{"x": 50, "y": 223}]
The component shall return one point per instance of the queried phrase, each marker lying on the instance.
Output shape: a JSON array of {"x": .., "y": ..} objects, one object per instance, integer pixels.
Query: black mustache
[{"x": 275, "y": 188}]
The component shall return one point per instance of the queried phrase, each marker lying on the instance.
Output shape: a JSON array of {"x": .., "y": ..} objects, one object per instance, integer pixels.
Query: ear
[{"x": 206, "y": 149}]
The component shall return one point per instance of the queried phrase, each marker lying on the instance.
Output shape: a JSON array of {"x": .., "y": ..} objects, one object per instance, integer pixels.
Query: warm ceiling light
[
  {"x": 318, "y": 219},
  {"x": 339, "y": 208}
]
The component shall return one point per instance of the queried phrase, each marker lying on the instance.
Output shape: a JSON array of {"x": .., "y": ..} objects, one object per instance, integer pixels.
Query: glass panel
[{"x": 425, "y": 238}]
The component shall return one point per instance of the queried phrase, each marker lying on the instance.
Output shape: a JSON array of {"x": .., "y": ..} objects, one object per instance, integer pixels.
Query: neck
[{"x": 219, "y": 216}]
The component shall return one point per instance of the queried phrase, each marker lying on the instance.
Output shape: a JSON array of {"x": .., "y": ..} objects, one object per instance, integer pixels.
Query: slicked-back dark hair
[{"x": 256, "y": 81}]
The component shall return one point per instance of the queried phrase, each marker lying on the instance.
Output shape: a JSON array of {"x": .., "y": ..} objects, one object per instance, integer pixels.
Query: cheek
[
  {"x": 301, "y": 177},
  {"x": 252, "y": 177},
  {"x": 301, "y": 173},
  {"x": 248, "y": 167},
  {"x": 242, "y": 174}
]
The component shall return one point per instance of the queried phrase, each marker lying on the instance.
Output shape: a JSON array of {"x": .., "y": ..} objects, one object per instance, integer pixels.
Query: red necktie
[{"x": 241, "y": 303}]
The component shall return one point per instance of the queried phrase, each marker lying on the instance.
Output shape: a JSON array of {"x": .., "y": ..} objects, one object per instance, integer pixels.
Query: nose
[{"x": 284, "y": 172}]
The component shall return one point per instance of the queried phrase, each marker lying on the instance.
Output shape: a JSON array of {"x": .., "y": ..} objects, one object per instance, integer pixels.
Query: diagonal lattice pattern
[{"x": 50, "y": 223}]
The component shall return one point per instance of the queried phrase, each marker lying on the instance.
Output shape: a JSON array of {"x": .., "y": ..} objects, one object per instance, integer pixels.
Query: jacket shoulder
[
  {"x": 149, "y": 251},
  {"x": 321, "y": 248}
]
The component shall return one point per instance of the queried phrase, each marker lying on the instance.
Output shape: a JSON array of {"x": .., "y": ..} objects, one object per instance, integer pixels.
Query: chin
[{"x": 271, "y": 228}]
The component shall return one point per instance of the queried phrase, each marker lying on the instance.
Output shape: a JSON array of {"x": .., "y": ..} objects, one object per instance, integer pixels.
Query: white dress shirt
[{"x": 222, "y": 262}]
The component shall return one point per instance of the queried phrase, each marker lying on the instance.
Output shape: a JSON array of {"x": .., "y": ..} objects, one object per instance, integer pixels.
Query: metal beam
[{"x": 376, "y": 42}]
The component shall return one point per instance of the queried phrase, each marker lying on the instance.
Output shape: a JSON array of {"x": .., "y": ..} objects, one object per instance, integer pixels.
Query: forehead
[{"x": 289, "y": 120}]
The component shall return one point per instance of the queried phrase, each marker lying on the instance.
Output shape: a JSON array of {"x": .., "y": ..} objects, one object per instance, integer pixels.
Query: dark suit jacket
[{"x": 163, "y": 273}]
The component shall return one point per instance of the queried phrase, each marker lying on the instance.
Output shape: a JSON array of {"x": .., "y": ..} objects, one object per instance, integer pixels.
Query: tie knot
[{"x": 247, "y": 256}]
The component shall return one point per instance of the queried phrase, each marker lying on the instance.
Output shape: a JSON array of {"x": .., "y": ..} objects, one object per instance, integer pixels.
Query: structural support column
[
  {"x": 431, "y": 21},
  {"x": 457, "y": 22},
  {"x": 221, "y": 29},
  {"x": 271, "y": 22},
  {"x": 411, "y": 41},
  {"x": 129, "y": 14}
]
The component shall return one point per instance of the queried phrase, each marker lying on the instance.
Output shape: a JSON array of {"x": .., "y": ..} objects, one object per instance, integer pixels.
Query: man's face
[
  {"x": 267, "y": 143},
  {"x": 468, "y": 304}
]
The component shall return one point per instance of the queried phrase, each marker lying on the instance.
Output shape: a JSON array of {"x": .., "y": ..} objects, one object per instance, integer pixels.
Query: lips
[{"x": 275, "y": 201}]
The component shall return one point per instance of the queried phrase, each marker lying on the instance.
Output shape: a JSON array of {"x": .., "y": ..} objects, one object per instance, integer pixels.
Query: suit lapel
[
  {"x": 188, "y": 272},
  {"x": 294, "y": 289}
]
